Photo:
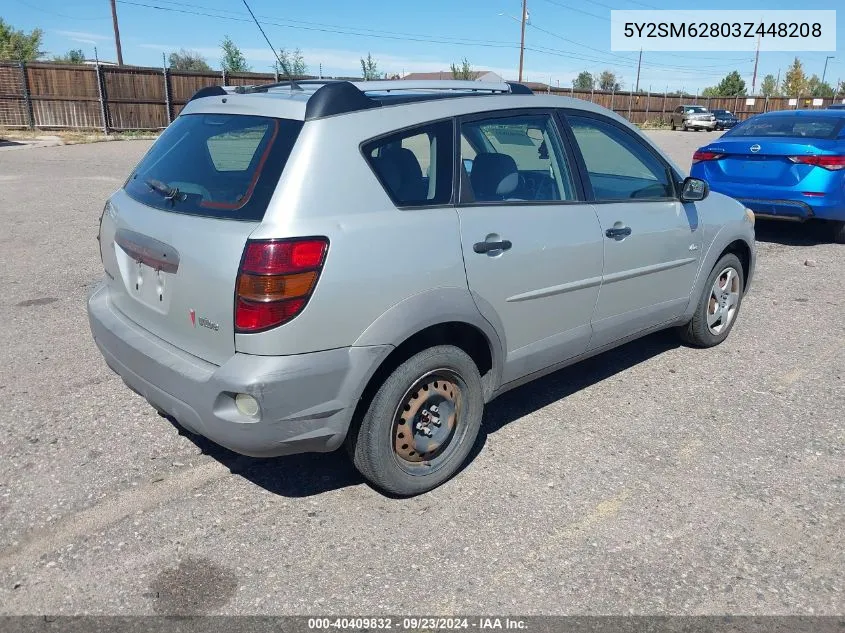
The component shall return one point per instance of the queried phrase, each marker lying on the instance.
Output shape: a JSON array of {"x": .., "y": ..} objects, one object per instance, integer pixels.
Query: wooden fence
[{"x": 58, "y": 96}]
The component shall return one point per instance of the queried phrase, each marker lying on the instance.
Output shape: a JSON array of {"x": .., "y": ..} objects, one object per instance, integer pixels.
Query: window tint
[
  {"x": 218, "y": 165},
  {"x": 619, "y": 165},
  {"x": 516, "y": 159},
  {"x": 791, "y": 126},
  {"x": 415, "y": 166}
]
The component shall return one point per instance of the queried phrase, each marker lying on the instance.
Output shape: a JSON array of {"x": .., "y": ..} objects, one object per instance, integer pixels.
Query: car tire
[
  {"x": 684, "y": 127},
  {"x": 703, "y": 330},
  {"x": 839, "y": 232},
  {"x": 672, "y": 123},
  {"x": 382, "y": 447}
]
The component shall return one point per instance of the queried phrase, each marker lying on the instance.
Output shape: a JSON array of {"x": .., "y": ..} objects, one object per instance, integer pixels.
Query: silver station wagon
[{"x": 295, "y": 267}]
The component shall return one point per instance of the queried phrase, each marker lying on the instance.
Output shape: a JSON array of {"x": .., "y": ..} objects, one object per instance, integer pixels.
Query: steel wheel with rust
[
  {"x": 422, "y": 422},
  {"x": 718, "y": 305}
]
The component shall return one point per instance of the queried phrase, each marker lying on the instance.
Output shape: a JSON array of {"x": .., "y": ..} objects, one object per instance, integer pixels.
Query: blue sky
[{"x": 564, "y": 37}]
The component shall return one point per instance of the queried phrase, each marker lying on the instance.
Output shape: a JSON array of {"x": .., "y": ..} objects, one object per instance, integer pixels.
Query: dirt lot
[{"x": 652, "y": 479}]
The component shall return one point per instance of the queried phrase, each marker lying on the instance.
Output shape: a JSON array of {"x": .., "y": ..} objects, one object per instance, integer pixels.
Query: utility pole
[
  {"x": 756, "y": 59},
  {"x": 116, "y": 33},
  {"x": 639, "y": 63},
  {"x": 777, "y": 82},
  {"x": 826, "y": 59},
  {"x": 521, "y": 39}
]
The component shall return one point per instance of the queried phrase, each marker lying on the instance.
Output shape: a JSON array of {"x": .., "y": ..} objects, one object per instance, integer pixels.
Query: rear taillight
[
  {"x": 701, "y": 156},
  {"x": 275, "y": 281},
  {"x": 833, "y": 163}
]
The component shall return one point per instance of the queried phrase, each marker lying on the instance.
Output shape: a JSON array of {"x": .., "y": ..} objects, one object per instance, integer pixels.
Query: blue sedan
[{"x": 787, "y": 165}]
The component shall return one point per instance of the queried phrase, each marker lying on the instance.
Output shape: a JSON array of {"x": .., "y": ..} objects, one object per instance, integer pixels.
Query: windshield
[
  {"x": 217, "y": 165},
  {"x": 697, "y": 110},
  {"x": 825, "y": 127}
]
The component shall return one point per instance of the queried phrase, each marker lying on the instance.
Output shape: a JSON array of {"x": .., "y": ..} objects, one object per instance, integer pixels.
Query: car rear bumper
[
  {"x": 779, "y": 209},
  {"x": 306, "y": 401}
]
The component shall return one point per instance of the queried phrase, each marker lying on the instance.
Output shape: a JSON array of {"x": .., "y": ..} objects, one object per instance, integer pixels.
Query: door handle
[
  {"x": 618, "y": 232},
  {"x": 486, "y": 247}
]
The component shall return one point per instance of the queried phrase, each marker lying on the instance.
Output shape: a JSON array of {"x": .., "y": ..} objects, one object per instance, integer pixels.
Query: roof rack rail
[
  {"x": 338, "y": 96},
  {"x": 433, "y": 84},
  {"x": 284, "y": 84}
]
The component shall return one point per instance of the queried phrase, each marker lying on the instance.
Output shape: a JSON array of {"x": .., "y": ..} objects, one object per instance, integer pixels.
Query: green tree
[
  {"x": 584, "y": 81},
  {"x": 463, "y": 70},
  {"x": 293, "y": 62},
  {"x": 18, "y": 45},
  {"x": 710, "y": 91},
  {"x": 369, "y": 68},
  {"x": 732, "y": 85},
  {"x": 795, "y": 82},
  {"x": 769, "y": 87},
  {"x": 233, "y": 60},
  {"x": 73, "y": 56},
  {"x": 607, "y": 81},
  {"x": 818, "y": 89},
  {"x": 187, "y": 60}
]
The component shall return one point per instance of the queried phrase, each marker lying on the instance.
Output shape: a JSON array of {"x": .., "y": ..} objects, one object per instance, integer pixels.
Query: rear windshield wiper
[{"x": 166, "y": 191}]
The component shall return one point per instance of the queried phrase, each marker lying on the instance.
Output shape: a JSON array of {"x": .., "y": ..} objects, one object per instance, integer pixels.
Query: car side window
[
  {"x": 515, "y": 159},
  {"x": 415, "y": 165},
  {"x": 619, "y": 165}
]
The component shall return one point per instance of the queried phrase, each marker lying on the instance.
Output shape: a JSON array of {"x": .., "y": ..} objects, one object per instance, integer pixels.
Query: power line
[
  {"x": 607, "y": 19},
  {"x": 56, "y": 13},
  {"x": 630, "y": 60},
  {"x": 385, "y": 35},
  {"x": 311, "y": 26}
]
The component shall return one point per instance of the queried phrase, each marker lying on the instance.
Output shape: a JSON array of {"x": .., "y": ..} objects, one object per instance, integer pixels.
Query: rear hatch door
[
  {"x": 766, "y": 161},
  {"x": 172, "y": 239}
]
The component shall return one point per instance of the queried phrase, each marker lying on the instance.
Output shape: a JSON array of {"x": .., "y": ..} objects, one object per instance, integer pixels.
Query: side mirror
[
  {"x": 468, "y": 165},
  {"x": 693, "y": 190}
]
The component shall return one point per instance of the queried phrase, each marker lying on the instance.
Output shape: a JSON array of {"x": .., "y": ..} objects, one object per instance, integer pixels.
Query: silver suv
[
  {"x": 295, "y": 267},
  {"x": 693, "y": 117}
]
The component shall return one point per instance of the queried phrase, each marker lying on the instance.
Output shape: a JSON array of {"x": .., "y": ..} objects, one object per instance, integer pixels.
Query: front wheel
[
  {"x": 422, "y": 422},
  {"x": 718, "y": 306}
]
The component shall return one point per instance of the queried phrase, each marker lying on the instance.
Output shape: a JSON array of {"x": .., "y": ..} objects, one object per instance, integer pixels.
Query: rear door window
[
  {"x": 515, "y": 159},
  {"x": 216, "y": 165}
]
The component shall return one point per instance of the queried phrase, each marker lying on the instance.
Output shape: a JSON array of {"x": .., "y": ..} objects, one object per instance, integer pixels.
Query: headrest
[{"x": 493, "y": 176}]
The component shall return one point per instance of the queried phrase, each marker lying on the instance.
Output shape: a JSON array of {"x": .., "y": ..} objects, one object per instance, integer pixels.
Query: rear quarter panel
[{"x": 378, "y": 257}]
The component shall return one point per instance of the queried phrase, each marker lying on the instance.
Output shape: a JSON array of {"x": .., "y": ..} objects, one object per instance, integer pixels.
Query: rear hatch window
[{"x": 215, "y": 165}]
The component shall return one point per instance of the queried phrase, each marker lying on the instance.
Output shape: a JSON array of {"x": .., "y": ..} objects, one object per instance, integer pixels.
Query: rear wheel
[
  {"x": 718, "y": 306},
  {"x": 839, "y": 232},
  {"x": 422, "y": 422},
  {"x": 673, "y": 125}
]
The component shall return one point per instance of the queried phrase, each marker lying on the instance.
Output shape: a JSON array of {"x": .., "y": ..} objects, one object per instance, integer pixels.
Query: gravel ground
[{"x": 652, "y": 479}]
